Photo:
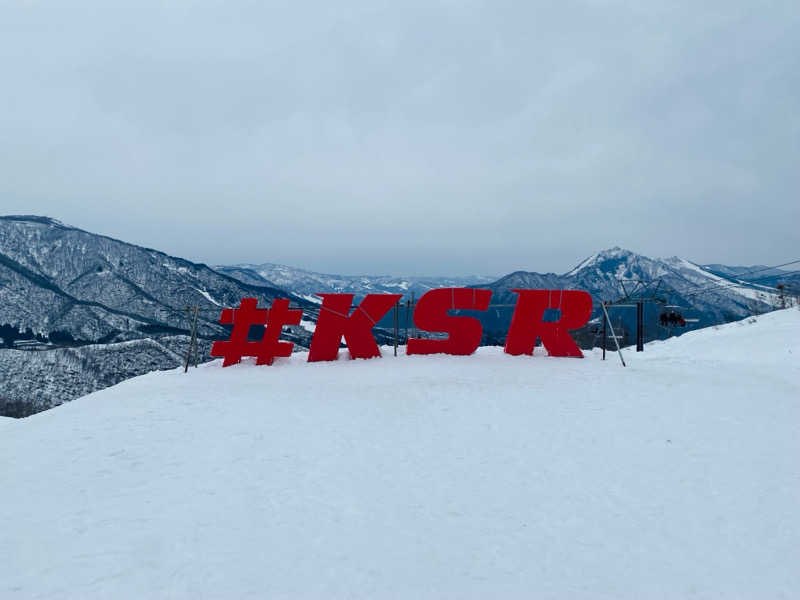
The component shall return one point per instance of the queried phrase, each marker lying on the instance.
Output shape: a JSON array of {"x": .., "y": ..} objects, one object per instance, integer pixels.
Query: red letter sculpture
[
  {"x": 336, "y": 321},
  {"x": 431, "y": 315},
  {"x": 527, "y": 324},
  {"x": 246, "y": 315}
]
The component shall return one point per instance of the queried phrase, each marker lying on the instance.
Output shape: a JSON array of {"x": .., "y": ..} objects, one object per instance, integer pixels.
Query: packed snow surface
[{"x": 486, "y": 476}]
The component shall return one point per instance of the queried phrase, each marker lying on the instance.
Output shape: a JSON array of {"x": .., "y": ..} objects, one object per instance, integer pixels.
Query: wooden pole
[
  {"x": 192, "y": 351},
  {"x": 194, "y": 335},
  {"x": 191, "y": 337}
]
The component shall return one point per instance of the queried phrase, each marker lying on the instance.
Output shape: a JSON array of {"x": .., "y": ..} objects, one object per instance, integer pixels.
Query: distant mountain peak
[
  {"x": 614, "y": 253},
  {"x": 34, "y": 219},
  {"x": 617, "y": 252}
]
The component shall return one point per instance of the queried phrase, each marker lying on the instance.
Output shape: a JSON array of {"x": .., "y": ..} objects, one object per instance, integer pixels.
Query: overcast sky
[{"x": 408, "y": 137}]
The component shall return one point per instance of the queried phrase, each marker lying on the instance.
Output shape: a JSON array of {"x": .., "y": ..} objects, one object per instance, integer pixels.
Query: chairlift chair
[{"x": 672, "y": 318}]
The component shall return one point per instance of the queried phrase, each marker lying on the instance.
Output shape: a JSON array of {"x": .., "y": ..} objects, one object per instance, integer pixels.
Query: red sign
[{"x": 337, "y": 322}]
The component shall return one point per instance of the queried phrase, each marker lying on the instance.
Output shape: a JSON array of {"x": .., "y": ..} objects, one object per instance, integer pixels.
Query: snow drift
[{"x": 486, "y": 476}]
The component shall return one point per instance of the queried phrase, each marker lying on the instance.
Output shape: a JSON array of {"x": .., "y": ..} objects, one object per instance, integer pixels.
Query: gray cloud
[{"x": 415, "y": 137}]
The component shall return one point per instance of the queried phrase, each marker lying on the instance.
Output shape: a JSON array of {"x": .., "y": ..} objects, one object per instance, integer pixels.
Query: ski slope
[{"x": 486, "y": 476}]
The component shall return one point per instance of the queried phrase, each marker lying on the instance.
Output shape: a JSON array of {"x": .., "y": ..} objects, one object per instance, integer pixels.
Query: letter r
[{"x": 527, "y": 324}]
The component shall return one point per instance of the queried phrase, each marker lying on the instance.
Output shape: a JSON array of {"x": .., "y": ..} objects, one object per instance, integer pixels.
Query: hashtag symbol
[{"x": 247, "y": 315}]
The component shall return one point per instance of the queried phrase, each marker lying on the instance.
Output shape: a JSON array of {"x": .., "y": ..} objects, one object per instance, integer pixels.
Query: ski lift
[{"x": 672, "y": 318}]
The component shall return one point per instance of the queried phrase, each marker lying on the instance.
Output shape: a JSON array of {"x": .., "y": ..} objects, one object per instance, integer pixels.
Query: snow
[
  {"x": 746, "y": 289},
  {"x": 311, "y": 298},
  {"x": 586, "y": 262},
  {"x": 487, "y": 476},
  {"x": 682, "y": 262},
  {"x": 403, "y": 285},
  {"x": 208, "y": 297},
  {"x": 181, "y": 270},
  {"x": 754, "y": 294},
  {"x": 308, "y": 325}
]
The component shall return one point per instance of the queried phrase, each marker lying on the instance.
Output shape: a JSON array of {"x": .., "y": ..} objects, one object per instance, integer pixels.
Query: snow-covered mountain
[
  {"x": 57, "y": 279},
  {"x": 309, "y": 283},
  {"x": 617, "y": 273},
  {"x": 701, "y": 294}
]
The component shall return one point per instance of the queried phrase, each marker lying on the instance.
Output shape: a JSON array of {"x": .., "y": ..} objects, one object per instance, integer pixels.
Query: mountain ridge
[
  {"x": 309, "y": 283},
  {"x": 40, "y": 256}
]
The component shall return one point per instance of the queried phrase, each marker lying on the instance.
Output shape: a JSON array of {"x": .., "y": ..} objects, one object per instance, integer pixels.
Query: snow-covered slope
[{"x": 486, "y": 476}]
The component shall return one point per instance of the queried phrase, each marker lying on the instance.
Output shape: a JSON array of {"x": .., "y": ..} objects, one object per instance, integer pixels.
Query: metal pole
[
  {"x": 605, "y": 331},
  {"x": 396, "y": 327},
  {"x": 639, "y": 326},
  {"x": 614, "y": 335},
  {"x": 412, "y": 320},
  {"x": 408, "y": 311}
]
